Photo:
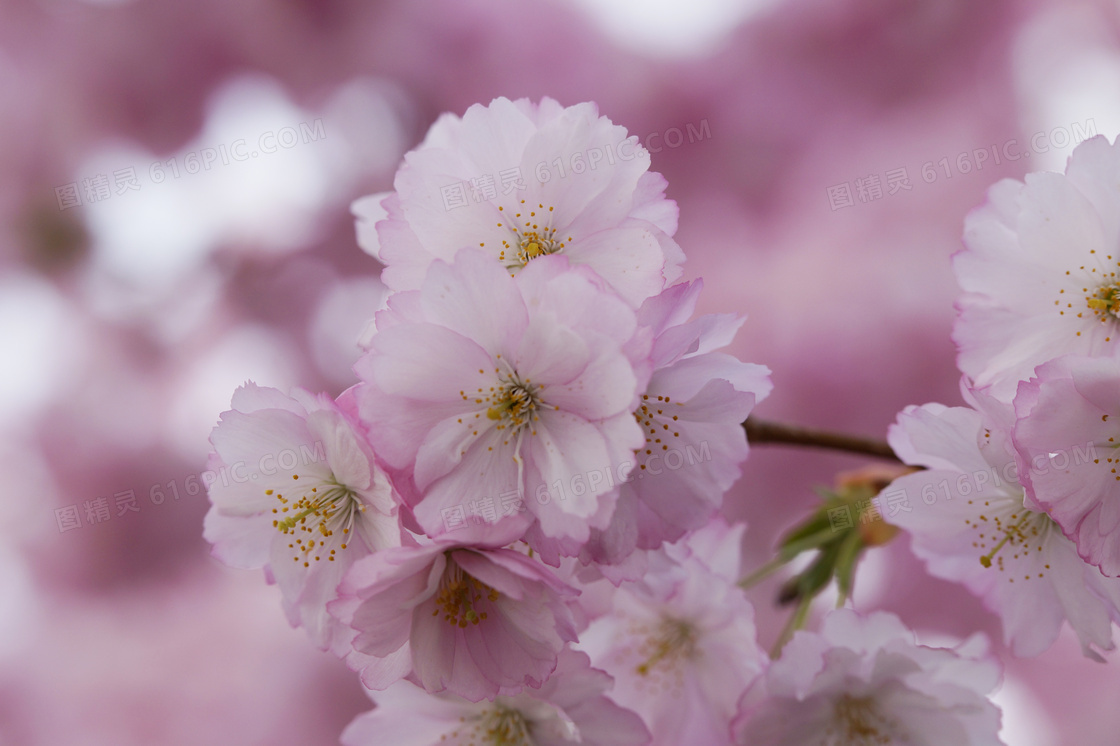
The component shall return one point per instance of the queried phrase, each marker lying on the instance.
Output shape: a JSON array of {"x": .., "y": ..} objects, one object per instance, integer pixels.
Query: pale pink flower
[
  {"x": 863, "y": 680},
  {"x": 524, "y": 180},
  {"x": 1041, "y": 271},
  {"x": 473, "y": 619},
  {"x": 570, "y": 708},
  {"x": 681, "y": 645},
  {"x": 970, "y": 522},
  {"x": 692, "y": 412},
  {"x": 1067, "y": 436},
  {"x": 294, "y": 489},
  {"x": 494, "y": 393}
]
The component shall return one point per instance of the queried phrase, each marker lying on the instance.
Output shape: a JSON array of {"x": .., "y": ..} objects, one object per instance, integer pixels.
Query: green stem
[
  {"x": 791, "y": 549},
  {"x": 762, "y": 573},
  {"x": 846, "y": 561},
  {"x": 796, "y": 622}
]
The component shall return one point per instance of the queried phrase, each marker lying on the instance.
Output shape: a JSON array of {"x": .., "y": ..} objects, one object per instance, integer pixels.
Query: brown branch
[{"x": 760, "y": 432}]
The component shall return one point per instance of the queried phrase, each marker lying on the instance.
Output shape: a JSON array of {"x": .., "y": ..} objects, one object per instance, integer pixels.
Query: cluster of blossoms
[
  {"x": 509, "y": 525},
  {"x": 1020, "y": 496}
]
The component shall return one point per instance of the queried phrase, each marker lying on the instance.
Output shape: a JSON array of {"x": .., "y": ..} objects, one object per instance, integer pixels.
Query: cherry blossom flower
[
  {"x": 681, "y": 645},
  {"x": 692, "y": 413},
  {"x": 1067, "y": 435},
  {"x": 863, "y": 680},
  {"x": 295, "y": 490},
  {"x": 569, "y": 708},
  {"x": 508, "y": 391},
  {"x": 1040, "y": 271},
  {"x": 473, "y": 618},
  {"x": 524, "y": 180},
  {"x": 971, "y": 522}
]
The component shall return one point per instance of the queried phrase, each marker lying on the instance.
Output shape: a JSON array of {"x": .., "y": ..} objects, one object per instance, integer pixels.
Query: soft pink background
[{"x": 125, "y": 324}]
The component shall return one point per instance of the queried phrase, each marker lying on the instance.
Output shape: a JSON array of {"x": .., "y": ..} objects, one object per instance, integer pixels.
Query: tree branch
[{"x": 760, "y": 432}]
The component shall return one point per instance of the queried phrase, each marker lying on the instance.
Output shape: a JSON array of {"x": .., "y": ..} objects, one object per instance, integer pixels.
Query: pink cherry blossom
[
  {"x": 970, "y": 522},
  {"x": 863, "y": 680},
  {"x": 473, "y": 619},
  {"x": 1066, "y": 435},
  {"x": 570, "y": 708},
  {"x": 507, "y": 391},
  {"x": 681, "y": 645},
  {"x": 692, "y": 412},
  {"x": 525, "y": 180},
  {"x": 295, "y": 490},
  {"x": 1040, "y": 271}
]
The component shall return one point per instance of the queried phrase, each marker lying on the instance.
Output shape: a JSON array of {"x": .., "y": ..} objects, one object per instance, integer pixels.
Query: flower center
[
  {"x": 1105, "y": 302},
  {"x": 1008, "y": 533},
  {"x": 673, "y": 643},
  {"x": 320, "y": 511},
  {"x": 502, "y": 726},
  {"x": 1101, "y": 290},
  {"x": 516, "y": 403},
  {"x": 859, "y": 722},
  {"x": 458, "y": 595},
  {"x": 531, "y": 236}
]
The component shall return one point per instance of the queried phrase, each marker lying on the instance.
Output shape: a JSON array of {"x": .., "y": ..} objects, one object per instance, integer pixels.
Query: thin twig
[{"x": 760, "y": 432}]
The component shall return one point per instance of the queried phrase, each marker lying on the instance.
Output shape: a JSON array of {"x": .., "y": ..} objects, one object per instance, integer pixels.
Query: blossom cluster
[
  {"x": 1020, "y": 489},
  {"x": 509, "y": 525}
]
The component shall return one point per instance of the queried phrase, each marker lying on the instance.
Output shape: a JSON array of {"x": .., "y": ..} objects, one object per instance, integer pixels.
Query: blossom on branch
[
  {"x": 681, "y": 644},
  {"x": 522, "y": 181},
  {"x": 468, "y": 617},
  {"x": 303, "y": 498},
  {"x": 482, "y": 384},
  {"x": 971, "y": 522},
  {"x": 863, "y": 680},
  {"x": 1067, "y": 435},
  {"x": 692, "y": 413},
  {"x": 1041, "y": 271},
  {"x": 570, "y": 708}
]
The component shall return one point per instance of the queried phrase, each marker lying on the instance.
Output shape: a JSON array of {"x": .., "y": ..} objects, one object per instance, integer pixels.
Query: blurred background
[{"x": 174, "y": 189}]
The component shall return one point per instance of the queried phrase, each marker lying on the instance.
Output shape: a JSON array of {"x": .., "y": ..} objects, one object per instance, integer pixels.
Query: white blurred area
[
  {"x": 40, "y": 339},
  {"x": 1067, "y": 71},
  {"x": 131, "y": 355},
  {"x": 668, "y": 28},
  {"x": 204, "y": 385},
  {"x": 264, "y": 172},
  {"x": 1024, "y": 720},
  {"x": 260, "y": 180}
]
